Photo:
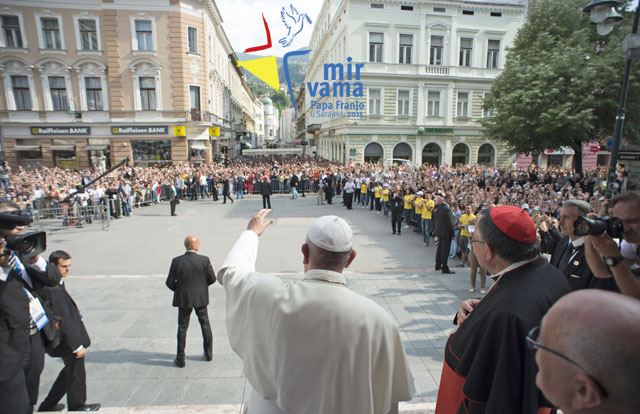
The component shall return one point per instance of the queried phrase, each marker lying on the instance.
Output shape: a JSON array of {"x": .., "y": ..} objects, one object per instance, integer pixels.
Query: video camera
[
  {"x": 26, "y": 245},
  {"x": 612, "y": 225}
]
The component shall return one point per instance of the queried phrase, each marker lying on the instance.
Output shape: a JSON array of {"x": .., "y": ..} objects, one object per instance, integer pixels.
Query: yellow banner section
[
  {"x": 214, "y": 131},
  {"x": 179, "y": 131}
]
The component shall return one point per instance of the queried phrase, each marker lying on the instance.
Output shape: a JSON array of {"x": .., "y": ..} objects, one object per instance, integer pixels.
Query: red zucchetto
[{"x": 515, "y": 223}]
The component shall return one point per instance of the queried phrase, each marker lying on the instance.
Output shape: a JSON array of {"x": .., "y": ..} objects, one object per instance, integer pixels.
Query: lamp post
[{"x": 604, "y": 14}]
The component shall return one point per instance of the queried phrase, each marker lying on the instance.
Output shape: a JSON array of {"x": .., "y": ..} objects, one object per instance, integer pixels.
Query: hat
[
  {"x": 420, "y": 193},
  {"x": 330, "y": 233},
  {"x": 515, "y": 223}
]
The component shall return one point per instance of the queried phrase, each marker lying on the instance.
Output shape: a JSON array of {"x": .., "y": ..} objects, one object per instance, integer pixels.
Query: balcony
[
  {"x": 196, "y": 114},
  {"x": 437, "y": 70}
]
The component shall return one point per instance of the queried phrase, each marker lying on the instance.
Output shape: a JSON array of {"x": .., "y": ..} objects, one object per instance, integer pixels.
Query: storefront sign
[
  {"x": 439, "y": 130},
  {"x": 179, "y": 131},
  {"x": 594, "y": 148},
  {"x": 139, "y": 130},
  {"x": 214, "y": 131},
  {"x": 629, "y": 156},
  {"x": 39, "y": 130}
]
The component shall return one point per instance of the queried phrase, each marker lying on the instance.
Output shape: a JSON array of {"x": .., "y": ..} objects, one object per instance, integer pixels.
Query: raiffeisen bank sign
[{"x": 329, "y": 99}]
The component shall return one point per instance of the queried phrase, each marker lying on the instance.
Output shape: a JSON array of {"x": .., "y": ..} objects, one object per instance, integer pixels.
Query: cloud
[{"x": 242, "y": 22}]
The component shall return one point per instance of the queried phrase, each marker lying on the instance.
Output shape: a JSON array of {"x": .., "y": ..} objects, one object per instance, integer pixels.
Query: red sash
[{"x": 450, "y": 391}]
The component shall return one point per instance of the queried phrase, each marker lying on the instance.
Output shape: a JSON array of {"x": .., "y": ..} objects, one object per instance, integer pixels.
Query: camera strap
[{"x": 16, "y": 264}]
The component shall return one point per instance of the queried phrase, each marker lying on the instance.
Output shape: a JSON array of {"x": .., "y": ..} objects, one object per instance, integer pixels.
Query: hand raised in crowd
[{"x": 258, "y": 224}]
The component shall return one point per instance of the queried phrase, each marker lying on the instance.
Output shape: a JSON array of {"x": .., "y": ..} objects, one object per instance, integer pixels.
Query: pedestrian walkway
[{"x": 117, "y": 279}]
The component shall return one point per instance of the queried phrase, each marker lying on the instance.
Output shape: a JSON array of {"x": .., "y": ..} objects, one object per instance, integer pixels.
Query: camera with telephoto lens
[
  {"x": 26, "y": 245},
  {"x": 596, "y": 226}
]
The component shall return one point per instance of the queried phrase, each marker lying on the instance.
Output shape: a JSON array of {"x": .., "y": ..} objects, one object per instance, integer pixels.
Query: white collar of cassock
[{"x": 325, "y": 276}]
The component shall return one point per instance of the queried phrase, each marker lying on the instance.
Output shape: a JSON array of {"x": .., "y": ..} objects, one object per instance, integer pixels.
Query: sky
[{"x": 242, "y": 22}]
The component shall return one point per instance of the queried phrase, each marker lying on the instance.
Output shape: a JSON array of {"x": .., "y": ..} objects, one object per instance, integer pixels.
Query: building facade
[
  {"x": 153, "y": 80},
  {"x": 424, "y": 69},
  {"x": 271, "y": 121}
]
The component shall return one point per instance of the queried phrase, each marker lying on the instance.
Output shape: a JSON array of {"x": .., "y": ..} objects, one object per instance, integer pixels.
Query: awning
[
  {"x": 63, "y": 148},
  {"x": 96, "y": 147},
  {"x": 203, "y": 136},
  {"x": 198, "y": 147},
  {"x": 560, "y": 151},
  {"x": 27, "y": 147}
]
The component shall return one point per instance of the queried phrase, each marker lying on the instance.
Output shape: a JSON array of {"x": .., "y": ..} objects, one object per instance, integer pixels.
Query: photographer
[
  {"x": 567, "y": 249},
  {"x": 27, "y": 325},
  {"x": 603, "y": 253}
]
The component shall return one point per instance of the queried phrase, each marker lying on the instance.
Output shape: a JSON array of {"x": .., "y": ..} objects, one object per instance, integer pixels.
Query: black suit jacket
[
  {"x": 72, "y": 330},
  {"x": 15, "y": 319},
  {"x": 577, "y": 272},
  {"x": 189, "y": 277},
  {"x": 265, "y": 188},
  {"x": 444, "y": 222}
]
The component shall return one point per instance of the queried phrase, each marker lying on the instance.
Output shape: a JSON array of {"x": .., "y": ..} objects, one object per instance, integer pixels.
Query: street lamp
[{"x": 604, "y": 14}]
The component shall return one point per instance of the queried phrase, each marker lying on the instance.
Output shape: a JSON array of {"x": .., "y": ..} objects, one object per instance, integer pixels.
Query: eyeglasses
[{"x": 532, "y": 343}]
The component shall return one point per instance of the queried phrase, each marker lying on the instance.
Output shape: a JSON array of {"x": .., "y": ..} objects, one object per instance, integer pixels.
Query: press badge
[{"x": 36, "y": 311}]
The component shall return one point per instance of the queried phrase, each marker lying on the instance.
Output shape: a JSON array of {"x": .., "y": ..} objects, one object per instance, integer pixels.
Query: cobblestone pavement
[{"x": 117, "y": 279}]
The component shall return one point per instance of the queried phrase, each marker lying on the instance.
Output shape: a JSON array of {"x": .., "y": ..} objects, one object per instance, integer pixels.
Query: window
[
  {"x": 88, "y": 34},
  {"x": 487, "y": 112},
  {"x": 374, "y": 101},
  {"x": 194, "y": 102},
  {"x": 11, "y": 30},
  {"x": 437, "y": 44},
  {"x": 406, "y": 45},
  {"x": 439, "y": 10},
  {"x": 433, "y": 103},
  {"x": 406, "y": 8},
  {"x": 466, "y": 47},
  {"x": 468, "y": 12},
  {"x": 94, "y": 93},
  {"x": 58, "y": 93},
  {"x": 148, "y": 93},
  {"x": 496, "y": 14},
  {"x": 20, "y": 85},
  {"x": 192, "y": 34},
  {"x": 377, "y": 6},
  {"x": 51, "y": 33},
  {"x": 403, "y": 103},
  {"x": 376, "y": 40},
  {"x": 150, "y": 152},
  {"x": 463, "y": 104},
  {"x": 144, "y": 35},
  {"x": 493, "y": 51}
]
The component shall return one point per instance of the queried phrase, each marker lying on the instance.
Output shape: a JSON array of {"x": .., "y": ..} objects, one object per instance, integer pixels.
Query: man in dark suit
[
  {"x": 189, "y": 278},
  {"x": 265, "y": 190},
  {"x": 23, "y": 338},
  {"x": 74, "y": 341},
  {"x": 445, "y": 230},
  {"x": 172, "y": 194},
  {"x": 226, "y": 190},
  {"x": 568, "y": 251}
]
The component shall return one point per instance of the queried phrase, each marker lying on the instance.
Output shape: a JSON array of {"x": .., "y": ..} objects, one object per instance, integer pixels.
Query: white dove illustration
[{"x": 293, "y": 21}]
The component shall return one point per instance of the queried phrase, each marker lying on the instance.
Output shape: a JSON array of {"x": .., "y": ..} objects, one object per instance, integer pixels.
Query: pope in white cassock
[{"x": 312, "y": 346}]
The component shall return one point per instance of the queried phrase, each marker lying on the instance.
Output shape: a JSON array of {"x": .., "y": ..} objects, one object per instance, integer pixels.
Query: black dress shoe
[
  {"x": 207, "y": 356},
  {"x": 88, "y": 407},
  {"x": 57, "y": 407},
  {"x": 438, "y": 268},
  {"x": 179, "y": 362},
  {"x": 448, "y": 272}
]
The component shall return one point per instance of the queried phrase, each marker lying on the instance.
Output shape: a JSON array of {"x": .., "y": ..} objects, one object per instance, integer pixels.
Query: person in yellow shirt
[
  {"x": 464, "y": 221},
  {"x": 418, "y": 202},
  {"x": 427, "y": 211},
  {"x": 378, "y": 196},
  {"x": 364, "y": 196},
  {"x": 385, "y": 200},
  {"x": 408, "y": 206}
]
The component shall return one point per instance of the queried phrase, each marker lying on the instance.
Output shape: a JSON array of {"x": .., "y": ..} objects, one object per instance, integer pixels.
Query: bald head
[
  {"x": 600, "y": 331},
  {"x": 192, "y": 243}
]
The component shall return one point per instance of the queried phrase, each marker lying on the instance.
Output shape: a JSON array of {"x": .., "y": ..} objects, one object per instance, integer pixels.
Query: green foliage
[{"x": 561, "y": 82}]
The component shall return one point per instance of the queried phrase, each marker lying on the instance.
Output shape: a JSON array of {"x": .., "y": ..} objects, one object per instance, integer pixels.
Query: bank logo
[{"x": 294, "y": 22}]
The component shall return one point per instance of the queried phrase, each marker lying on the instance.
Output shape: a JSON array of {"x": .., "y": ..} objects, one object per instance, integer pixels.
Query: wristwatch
[{"x": 613, "y": 261}]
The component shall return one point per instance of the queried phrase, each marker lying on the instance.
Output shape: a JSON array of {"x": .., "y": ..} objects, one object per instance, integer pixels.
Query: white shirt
[{"x": 311, "y": 346}]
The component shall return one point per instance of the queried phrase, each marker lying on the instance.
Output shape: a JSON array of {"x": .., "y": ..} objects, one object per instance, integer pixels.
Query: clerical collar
[
  {"x": 192, "y": 251},
  {"x": 512, "y": 266},
  {"x": 325, "y": 276}
]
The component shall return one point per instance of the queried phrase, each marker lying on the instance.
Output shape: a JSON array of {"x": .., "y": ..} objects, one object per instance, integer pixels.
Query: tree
[{"x": 561, "y": 82}]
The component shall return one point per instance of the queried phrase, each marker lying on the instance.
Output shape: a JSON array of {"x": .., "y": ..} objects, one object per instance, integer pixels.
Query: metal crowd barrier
[{"x": 70, "y": 216}]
